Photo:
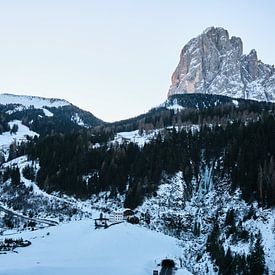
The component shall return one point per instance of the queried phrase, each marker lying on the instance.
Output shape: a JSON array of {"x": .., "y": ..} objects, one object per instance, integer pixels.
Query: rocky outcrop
[{"x": 214, "y": 63}]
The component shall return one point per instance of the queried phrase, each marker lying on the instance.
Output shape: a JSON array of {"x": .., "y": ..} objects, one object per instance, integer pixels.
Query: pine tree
[
  {"x": 228, "y": 265},
  {"x": 257, "y": 257},
  {"x": 260, "y": 183},
  {"x": 15, "y": 176}
]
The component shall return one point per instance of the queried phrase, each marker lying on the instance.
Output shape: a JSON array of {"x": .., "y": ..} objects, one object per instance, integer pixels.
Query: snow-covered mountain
[
  {"x": 35, "y": 101},
  {"x": 214, "y": 63},
  {"x": 199, "y": 167}
]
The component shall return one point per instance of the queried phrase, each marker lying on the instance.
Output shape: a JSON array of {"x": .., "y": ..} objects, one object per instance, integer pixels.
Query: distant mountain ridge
[
  {"x": 35, "y": 101},
  {"x": 214, "y": 63}
]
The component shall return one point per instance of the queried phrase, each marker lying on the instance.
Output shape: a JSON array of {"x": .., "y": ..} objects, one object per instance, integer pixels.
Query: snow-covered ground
[
  {"x": 47, "y": 112},
  {"x": 77, "y": 119},
  {"x": 235, "y": 102},
  {"x": 135, "y": 137},
  {"x": 77, "y": 248},
  {"x": 21, "y": 163},
  {"x": 7, "y": 138},
  {"x": 175, "y": 200},
  {"x": 147, "y": 136},
  {"x": 174, "y": 106}
]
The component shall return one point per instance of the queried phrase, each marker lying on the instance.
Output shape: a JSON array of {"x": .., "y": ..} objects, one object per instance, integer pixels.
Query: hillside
[
  {"x": 44, "y": 115},
  {"x": 179, "y": 108}
]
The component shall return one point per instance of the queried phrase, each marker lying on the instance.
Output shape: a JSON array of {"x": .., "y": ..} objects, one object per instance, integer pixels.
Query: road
[
  {"x": 37, "y": 220},
  {"x": 166, "y": 271}
]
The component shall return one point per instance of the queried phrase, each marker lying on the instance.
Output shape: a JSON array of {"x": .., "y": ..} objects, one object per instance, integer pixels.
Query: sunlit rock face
[{"x": 214, "y": 63}]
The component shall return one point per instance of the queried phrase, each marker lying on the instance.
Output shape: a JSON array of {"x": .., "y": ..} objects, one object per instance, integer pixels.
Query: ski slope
[{"x": 77, "y": 248}]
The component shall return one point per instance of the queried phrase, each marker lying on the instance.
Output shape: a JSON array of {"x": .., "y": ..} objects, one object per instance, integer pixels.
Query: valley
[{"x": 196, "y": 172}]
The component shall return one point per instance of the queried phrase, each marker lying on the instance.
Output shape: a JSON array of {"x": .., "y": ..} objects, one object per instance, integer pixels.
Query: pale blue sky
[{"x": 115, "y": 58}]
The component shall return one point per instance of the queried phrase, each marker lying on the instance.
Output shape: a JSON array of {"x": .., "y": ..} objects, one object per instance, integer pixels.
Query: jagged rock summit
[{"x": 214, "y": 63}]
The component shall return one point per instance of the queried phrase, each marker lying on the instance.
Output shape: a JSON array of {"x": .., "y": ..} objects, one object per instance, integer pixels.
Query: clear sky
[{"x": 115, "y": 58}]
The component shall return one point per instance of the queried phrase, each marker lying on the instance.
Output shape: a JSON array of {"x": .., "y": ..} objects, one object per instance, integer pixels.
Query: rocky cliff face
[{"x": 214, "y": 63}]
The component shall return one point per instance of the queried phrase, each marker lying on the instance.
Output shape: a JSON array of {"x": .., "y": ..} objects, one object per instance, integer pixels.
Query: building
[
  {"x": 121, "y": 215},
  {"x": 116, "y": 216}
]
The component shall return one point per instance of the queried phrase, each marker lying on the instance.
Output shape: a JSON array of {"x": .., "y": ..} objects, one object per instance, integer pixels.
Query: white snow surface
[
  {"x": 147, "y": 136},
  {"x": 175, "y": 106},
  {"x": 77, "y": 248},
  {"x": 171, "y": 105},
  {"x": 21, "y": 163},
  {"x": 135, "y": 137},
  {"x": 47, "y": 112},
  {"x": 7, "y": 138},
  {"x": 35, "y": 101},
  {"x": 77, "y": 119}
]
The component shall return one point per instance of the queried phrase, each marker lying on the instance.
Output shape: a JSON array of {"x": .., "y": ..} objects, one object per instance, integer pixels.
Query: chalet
[
  {"x": 116, "y": 216},
  {"x": 121, "y": 215},
  {"x": 101, "y": 221}
]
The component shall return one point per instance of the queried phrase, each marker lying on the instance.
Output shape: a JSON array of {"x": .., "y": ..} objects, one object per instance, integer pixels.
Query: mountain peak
[
  {"x": 216, "y": 31},
  {"x": 214, "y": 63}
]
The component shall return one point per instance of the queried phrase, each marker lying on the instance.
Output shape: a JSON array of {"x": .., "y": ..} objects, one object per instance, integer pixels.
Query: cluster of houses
[{"x": 116, "y": 216}]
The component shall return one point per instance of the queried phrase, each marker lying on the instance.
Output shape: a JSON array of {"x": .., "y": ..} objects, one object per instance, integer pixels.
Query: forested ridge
[{"x": 239, "y": 143}]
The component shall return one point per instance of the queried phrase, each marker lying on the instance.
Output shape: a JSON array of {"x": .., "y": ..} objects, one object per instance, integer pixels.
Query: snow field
[{"x": 77, "y": 248}]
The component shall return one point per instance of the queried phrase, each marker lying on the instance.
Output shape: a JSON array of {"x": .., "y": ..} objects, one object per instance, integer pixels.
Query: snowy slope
[
  {"x": 21, "y": 163},
  {"x": 35, "y": 101},
  {"x": 77, "y": 248},
  {"x": 175, "y": 200},
  {"x": 6, "y": 139},
  {"x": 29, "y": 198}
]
